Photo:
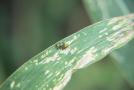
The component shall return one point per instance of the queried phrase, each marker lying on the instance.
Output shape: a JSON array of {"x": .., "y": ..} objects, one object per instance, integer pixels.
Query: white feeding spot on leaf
[
  {"x": 109, "y": 39},
  {"x": 57, "y": 73},
  {"x": 12, "y": 84},
  {"x": 42, "y": 56},
  {"x": 100, "y": 36},
  {"x": 72, "y": 51},
  {"x": 35, "y": 62},
  {"x": 103, "y": 30},
  {"x": 84, "y": 33},
  {"x": 93, "y": 49},
  {"x": 65, "y": 51},
  {"x": 71, "y": 61},
  {"x": 114, "y": 20},
  {"x": 45, "y": 54},
  {"x": 103, "y": 35},
  {"x": 80, "y": 51},
  {"x": 51, "y": 58},
  {"x": 116, "y": 27},
  {"x": 49, "y": 75},
  {"x": 47, "y": 71},
  {"x": 66, "y": 62},
  {"x": 26, "y": 68},
  {"x": 18, "y": 85},
  {"x": 72, "y": 40},
  {"x": 107, "y": 50},
  {"x": 68, "y": 50},
  {"x": 61, "y": 76},
  {"x": 63, "y": 81},
  {"x": 106, "y": 33}
]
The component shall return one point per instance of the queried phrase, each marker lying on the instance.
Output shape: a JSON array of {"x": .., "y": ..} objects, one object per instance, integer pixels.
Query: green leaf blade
[{"x": 52, "y": 69}]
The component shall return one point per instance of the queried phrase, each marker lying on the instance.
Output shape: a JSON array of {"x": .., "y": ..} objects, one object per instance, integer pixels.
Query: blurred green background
[{"x": 27, "y": 27}]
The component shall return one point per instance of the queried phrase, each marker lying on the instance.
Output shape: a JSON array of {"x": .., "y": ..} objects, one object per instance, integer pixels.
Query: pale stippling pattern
[
  {"x": 52, "y": 69},
  {"x": 86, "y": 58},
  {"x": 103, "y": 30},
  {"x": 73, "y": 39},
  {"x": 114, "y": 20}
]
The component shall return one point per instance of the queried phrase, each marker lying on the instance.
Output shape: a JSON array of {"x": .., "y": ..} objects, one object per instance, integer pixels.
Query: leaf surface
[{"x": 52, "y": 69}]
